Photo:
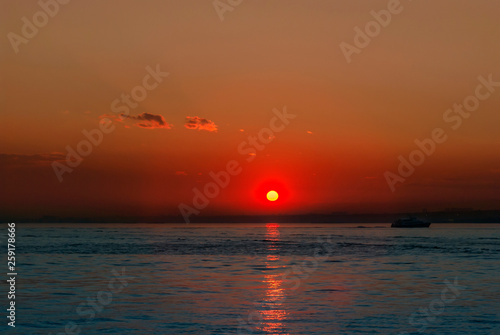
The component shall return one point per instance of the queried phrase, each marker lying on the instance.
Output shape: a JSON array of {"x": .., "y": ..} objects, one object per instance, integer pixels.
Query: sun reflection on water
[{"x": 273, "y": 310}]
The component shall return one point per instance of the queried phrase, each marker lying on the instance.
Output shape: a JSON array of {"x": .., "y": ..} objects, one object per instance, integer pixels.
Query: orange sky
[{"x": 352, "y": 121}]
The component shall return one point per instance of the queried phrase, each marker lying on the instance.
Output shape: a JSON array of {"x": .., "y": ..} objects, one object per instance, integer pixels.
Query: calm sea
[{"x": 255, "y": 279}]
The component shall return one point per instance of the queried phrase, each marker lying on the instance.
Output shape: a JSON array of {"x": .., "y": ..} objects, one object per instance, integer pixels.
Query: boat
[{"x": 410, "y": 222}]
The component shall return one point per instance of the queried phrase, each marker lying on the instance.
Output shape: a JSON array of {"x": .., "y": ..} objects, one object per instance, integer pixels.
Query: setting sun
[{"x": 272, "y": 195}]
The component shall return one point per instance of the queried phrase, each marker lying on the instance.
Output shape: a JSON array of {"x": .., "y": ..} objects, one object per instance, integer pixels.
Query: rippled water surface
[{"x": 257, "y": 279}]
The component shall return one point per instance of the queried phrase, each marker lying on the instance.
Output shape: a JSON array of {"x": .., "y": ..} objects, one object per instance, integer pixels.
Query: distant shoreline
[{"x": 467, "y": 216}]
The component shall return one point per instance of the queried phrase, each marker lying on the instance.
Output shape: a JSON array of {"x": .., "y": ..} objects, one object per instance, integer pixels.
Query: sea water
[{"x": 256, "y": 279}]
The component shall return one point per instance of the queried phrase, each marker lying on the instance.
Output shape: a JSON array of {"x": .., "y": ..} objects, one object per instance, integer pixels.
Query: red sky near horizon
[{"x": 225, "y": 78}]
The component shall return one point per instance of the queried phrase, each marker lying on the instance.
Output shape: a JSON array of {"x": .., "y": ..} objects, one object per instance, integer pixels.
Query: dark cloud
[
  {"x": 144, "y": 120},
  {"x": 151, "y": 120},
  {"x": 196, "y": 122}
]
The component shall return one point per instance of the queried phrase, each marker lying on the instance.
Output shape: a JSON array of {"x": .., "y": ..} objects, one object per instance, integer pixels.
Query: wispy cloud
[
  {"x": 36, "y": 159},
  {"x": 196, "y": 122}
]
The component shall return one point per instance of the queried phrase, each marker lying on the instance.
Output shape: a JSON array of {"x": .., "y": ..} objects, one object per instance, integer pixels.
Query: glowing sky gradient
[{"x": 225, "y": 79}]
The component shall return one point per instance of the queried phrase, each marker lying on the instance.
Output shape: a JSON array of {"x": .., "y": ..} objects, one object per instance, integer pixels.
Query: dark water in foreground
[{"x": 256, "y": 279}]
